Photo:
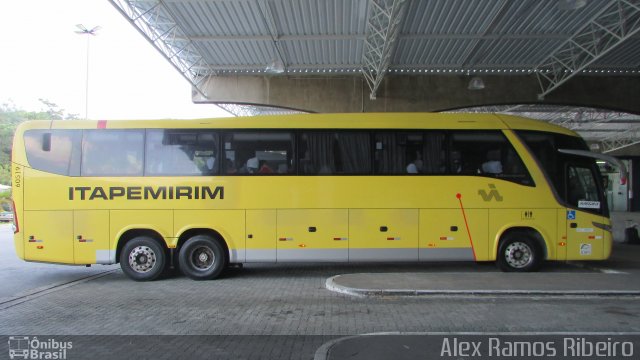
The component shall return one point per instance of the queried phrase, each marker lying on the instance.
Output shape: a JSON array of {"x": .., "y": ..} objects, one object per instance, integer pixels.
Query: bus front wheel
[
  {"x": 142, "y": 259},
  {"x": 518, "y": 252},
  {"x": 202, "y": 258}
]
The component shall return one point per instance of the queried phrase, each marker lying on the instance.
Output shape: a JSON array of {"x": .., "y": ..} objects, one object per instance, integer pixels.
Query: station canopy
[{"x": 553, "y": 40}]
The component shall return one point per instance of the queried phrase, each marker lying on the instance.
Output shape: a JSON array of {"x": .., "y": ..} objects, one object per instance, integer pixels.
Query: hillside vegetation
[{"x": 10, "y": 117}]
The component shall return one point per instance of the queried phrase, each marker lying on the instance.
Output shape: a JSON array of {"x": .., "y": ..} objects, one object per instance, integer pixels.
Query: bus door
[{"x": 584, "y": 217}]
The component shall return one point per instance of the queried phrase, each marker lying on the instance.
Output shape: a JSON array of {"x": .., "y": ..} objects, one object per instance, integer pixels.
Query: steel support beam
[
  {"x": 383, "y": 28},
  {"x": 617, "y": 21},
  {"x": 270, "y": 23},
  {"x": 254, "y": 110},
  {"x": 154, "y": 21},
  {"x": 621, "y": 140}
]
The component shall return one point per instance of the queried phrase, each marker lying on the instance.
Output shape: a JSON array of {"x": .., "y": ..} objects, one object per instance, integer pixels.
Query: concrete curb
[{"x": 332, "y": 285}]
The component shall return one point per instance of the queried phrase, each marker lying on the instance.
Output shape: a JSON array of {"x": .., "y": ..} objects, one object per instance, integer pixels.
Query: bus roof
[{"x": 323, "y": 121}]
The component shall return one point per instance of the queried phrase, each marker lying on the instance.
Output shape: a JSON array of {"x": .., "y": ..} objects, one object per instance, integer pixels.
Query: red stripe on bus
[{"x": 466, "y": 224}]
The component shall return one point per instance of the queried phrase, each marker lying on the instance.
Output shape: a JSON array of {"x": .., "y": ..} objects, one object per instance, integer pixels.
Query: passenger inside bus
[
  {"x": 265, "y": 168},
  {"x": 493, "y": 165},
  {"x": 229, "y": 166},
  {"x": 414, "y": 167},
  {"x": 252, "y": 165},
  {"x": 456, "y": 163}
]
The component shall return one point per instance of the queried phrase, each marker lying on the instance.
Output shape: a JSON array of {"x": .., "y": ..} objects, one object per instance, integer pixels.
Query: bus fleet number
[{"x": 17, "y": 178}]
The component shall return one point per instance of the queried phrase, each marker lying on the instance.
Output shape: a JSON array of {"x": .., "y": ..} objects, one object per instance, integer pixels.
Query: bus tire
[
  {"x": 519, "y": 252},
  {"x": 142, "y": 259},
  {"x": 202, "y": 258}
]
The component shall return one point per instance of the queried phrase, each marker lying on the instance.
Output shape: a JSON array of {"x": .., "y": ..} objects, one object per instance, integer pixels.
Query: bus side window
[
  {"x": 258, "y": 153},
  {"x": 392, "y": 156},
  {"x": 336, "y": 152},
  {"x": 181, "y": 152},
  {"x": 60, "y": 155},
  {"x": 434, "y": 152},
  {"x": 486, "y": 153},
  {"x": 112, "y": 152},
  {"x": 410, "y": 152},
  {"x": 319, "y": 153}
]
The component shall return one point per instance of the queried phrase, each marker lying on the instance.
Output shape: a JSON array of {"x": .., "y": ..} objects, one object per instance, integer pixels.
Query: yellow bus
[{"x": 202, "y": 195}]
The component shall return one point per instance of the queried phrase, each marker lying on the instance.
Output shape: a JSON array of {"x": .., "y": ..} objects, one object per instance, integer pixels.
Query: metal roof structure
[{"x": 553, "y": 39}]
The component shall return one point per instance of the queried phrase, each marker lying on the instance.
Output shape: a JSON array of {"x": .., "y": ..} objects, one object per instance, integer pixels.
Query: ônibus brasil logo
[{"x": 25, "y": 347}]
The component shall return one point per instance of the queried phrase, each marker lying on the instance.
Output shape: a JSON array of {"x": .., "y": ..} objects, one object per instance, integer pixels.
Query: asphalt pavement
[{"x": 20, "y": 278}]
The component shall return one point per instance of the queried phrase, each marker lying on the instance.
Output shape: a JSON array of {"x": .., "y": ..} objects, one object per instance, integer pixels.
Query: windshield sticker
[
  {"x": 585, "y": 249},
  {"x": 583, "y": 204}
]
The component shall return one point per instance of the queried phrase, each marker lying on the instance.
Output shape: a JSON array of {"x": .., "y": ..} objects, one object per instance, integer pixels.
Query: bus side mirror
[{"x": 46, "y": 142}]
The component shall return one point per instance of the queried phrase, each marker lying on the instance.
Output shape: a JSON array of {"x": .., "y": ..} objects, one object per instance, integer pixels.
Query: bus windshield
[
  {"x": 582, "y": 187},
  {"x": 575, "y": 179}
]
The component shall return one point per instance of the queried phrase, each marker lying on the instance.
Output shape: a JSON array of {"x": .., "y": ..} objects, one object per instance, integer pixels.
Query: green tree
[
  {"x": 10, "y": 118},
  {"x": 5, "y": 200}
]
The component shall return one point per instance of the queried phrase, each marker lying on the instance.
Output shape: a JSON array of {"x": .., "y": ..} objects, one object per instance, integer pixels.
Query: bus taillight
[{"x": 16, "y": 227}]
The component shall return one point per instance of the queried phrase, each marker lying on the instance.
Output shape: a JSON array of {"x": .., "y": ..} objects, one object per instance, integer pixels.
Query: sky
[{"x": 41, "y": 56}]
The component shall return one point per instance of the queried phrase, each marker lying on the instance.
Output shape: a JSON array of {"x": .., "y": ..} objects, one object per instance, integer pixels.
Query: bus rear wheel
[
  {"x": 142, "y": 259},
  {"x": 518, "y": 252},
  {"x": 202, "y": 258}
]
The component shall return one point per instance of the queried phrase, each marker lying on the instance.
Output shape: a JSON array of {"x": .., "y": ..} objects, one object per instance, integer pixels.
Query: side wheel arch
[
  {"x": 202, "y": 257},
  {"x": 520, "y": 250},
  {"x": 142, "y": 258}
]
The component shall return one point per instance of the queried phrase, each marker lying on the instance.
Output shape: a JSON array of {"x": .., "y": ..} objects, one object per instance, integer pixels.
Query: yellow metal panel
[
  {"x": 561, "y": 239},
  {"x": 313, "y": 229},
  {"x": 91, "y": 236},
  {"x": 282, "y": 192},
  {"x": 48, "y": 236},
  {"x": 383, "y": 229},
  {"x": 261, "y": 235},
  {"x": 446, "y": 229},
  {"x": 228, "y": 223},
  {"x": 17, "y": 195},
  {"x": 584, "y": 240},
  {"x": 160, "y": 221},
  {"x": 519, "y": 123},
  {"x": 318, "y": 121}
]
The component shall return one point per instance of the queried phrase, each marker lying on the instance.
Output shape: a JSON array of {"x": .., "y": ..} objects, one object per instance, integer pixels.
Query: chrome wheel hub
[
  {"x": 518, "y": 255},
  {"x": 142, "y": 259},
  {"x": 203, "y": 258}
]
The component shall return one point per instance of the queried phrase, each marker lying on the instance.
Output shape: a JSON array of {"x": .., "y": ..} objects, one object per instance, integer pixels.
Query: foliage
[
  {"x": 5, "y": 205},
  {"x": 10, "y": 117}
]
